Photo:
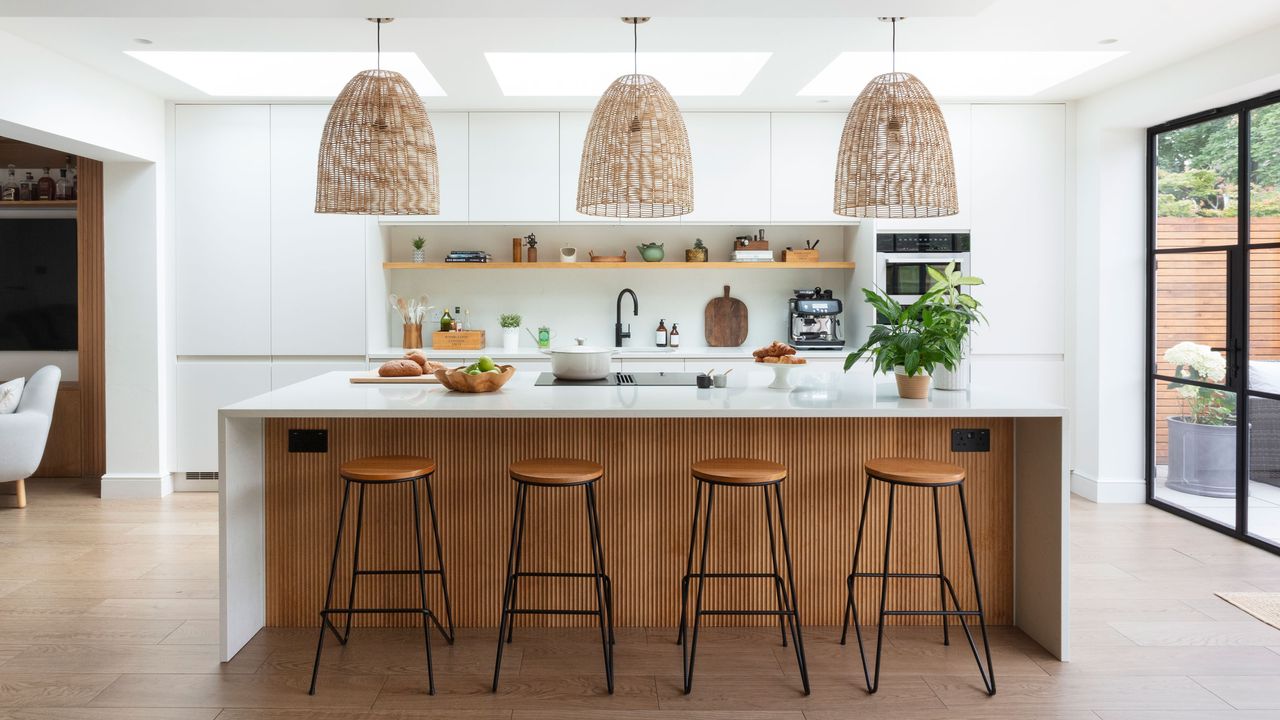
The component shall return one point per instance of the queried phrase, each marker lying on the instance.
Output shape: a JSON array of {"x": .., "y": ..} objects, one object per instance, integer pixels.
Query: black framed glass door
[{"x": 1213, "y": 334}]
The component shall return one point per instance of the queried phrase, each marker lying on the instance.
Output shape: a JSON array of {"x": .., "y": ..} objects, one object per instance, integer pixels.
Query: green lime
[{"x": 485, "y": 363}]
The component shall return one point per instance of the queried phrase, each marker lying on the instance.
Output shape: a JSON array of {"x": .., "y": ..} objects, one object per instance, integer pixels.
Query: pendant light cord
[
  {"x": 635, "y": 48},
  {"x": 893, "y": 46},
  {"x": 379, "y": 45}
]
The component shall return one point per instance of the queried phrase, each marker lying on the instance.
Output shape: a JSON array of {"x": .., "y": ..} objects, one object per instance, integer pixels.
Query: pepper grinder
[{"x": 533, "y": 248}]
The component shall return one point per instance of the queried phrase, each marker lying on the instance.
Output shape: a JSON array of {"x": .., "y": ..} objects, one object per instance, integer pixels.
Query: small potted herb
[
  {"x": 419, "y": 255},
  {"x": 510, "y": 323},
  {"x": 913, "y": 340}
]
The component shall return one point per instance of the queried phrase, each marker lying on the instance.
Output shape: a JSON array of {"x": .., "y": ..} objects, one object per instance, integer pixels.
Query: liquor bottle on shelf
[
  {"x": 46, "y": 188},
  {"x": 63, "y": 187},
  {"x": 661, "y": 334},
  {"x": 446, "y": 321},
  {"x": 27, "y": 188},
  {"x": 457, "y": 318},
  {"x": 10, "y": 191}
]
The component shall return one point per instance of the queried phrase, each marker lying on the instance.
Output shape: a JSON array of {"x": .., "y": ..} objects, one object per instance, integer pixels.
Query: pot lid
[{"x": 580, "y": 348}]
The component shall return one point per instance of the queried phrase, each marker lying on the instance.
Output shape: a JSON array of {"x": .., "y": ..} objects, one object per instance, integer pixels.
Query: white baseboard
[
  {"x": 1108, "y": 491},
  {"x": 120, "y": 486}
]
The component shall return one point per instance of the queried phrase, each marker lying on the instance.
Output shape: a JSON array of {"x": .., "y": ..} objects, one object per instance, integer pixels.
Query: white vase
[
  {"x": 958, "y": 379},
  {"x": 510, "y": 339}
]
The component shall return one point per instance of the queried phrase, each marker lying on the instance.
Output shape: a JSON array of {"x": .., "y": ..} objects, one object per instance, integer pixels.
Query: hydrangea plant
[{"x": 1205, "y": 406}]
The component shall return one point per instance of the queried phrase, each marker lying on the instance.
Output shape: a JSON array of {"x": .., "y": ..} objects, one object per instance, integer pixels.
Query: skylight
[
  {"x": 282, "y": 74},
  {"x": 581, "y": 74},
  {"x": 961, "y": 74}
]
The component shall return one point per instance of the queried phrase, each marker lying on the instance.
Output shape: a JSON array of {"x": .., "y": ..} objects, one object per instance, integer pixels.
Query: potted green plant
[
  {"x": 912, "y": 341},
  {"x": 510, "y": 323},
  {"x": 960, "y": 313},
  {"x": 1202, "y": 440},
  {"x": 418, "y": 254}
]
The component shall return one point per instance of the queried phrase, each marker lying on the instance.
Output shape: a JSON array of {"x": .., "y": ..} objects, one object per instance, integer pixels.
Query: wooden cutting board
[
  {"x": 372, "y": 377},
  {"x": 725, "y": 321}
]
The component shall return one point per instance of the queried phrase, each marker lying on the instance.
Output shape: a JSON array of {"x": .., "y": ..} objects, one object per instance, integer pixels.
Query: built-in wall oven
[{"x": 902, "y": 260}]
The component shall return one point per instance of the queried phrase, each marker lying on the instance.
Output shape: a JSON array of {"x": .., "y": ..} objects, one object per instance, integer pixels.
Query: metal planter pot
[{"x": 1202, "y": 458}]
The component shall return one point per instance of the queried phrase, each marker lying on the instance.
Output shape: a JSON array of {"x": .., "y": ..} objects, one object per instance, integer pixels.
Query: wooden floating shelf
[
  {"x": 822, "y": 265},
  {"x": 38, "y": 203}
]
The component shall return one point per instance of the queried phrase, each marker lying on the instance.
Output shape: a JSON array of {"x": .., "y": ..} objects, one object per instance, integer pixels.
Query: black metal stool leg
[
  {"x": 689, "y": 649},
  {"x": 355, "y": 565},
  {"x": 597, "y": 553},
  {"x": 444, "y": 584},
  {"x": 506, "y": 591},
  {"x": 422, "y": 587},
  {"x": 849, "y": 606},
  {"x": 688, "y": 564},
  {"x": 593, "y": 516},
  {"x": 783, "y": 618},
  {"x": 942, "y": 582},
  {"x": 988, "y": 675},
  {"x": 328, "y": 595},
  {"x": 874, "y": 682},
  {"x": 797, "y": 636},
  {"x": 515, "y": 575}
]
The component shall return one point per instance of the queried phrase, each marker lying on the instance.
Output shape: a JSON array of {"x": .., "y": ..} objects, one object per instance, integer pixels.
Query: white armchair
[{"x": 23, "y": 433}]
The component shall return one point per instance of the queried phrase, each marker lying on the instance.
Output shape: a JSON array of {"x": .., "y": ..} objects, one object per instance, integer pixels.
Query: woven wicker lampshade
[
  {"x": 377, "y": 151},
  {"x": 635, "y": 159},
  {"x": 895, "y": 153}
]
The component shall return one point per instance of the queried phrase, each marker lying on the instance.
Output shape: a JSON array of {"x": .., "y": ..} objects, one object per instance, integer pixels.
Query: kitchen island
[{"x": 278, "y": 508}]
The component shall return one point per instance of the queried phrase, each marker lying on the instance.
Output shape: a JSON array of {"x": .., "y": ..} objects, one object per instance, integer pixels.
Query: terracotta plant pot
[{"x": 912, "y": 387}]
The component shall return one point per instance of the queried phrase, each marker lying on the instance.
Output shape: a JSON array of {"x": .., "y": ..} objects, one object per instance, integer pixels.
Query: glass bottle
[
  {"x": 10, "y": 189},
  {"x": 674, "y": 339},
  {"x": 46, "y": 188},
  {"x": 446, "y": 321},
  {"x": 60, "y": 190},
  {"x": 661, "y": 334},
  {"x": 457, "y": 315},
  {"x": 27, "y": 188}
]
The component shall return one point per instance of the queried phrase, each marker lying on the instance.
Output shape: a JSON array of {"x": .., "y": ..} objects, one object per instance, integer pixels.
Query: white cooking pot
[{"x": 580, "y": 362}]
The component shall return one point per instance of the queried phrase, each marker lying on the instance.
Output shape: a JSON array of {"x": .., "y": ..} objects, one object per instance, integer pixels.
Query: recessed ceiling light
[
  {"x": 961, "y": 74},
  {"x": 142, "y": 41},
  {"x": 1108, "y": 41},
  {"x": 570, "y": 74},
  {"x": 282, "y": 74}
]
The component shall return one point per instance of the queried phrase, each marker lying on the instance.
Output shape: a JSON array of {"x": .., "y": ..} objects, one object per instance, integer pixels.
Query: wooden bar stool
[
  {"x": 556, "y": 473},
  {"x": 739, "y": 473},
  {"x": 386, "y": 470},
  {"x": 916, "y": 473}
]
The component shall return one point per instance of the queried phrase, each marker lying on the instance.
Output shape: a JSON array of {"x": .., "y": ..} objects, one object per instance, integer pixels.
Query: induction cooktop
[{"x": 689, "y": 379}]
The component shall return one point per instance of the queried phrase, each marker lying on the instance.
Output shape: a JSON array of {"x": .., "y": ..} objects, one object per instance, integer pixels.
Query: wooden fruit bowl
[{"x": 457, "y": 379}]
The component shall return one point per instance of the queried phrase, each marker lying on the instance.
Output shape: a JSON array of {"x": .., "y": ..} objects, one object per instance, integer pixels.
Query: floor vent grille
[{"x": 202, "y": 475}]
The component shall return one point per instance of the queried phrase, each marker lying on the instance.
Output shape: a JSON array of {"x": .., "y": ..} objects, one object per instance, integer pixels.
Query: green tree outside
[{"x": 1196, "y": 167}]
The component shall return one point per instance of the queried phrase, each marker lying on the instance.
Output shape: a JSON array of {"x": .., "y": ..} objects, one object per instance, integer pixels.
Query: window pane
[
  {"x": 1264, "y": 320},
  {"x": 1196, "y": 450},
  {"x": 1191, "y": 315},
  {"x": 1196, "y": 184},
  {"x": 1264, "y": 174},
  {"x": 1264, "y": 468}
]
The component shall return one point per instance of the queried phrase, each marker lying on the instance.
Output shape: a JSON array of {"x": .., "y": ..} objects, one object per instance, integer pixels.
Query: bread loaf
[
  {"x": 419, "y": 357},
  {"x": 400, "y": 368}
]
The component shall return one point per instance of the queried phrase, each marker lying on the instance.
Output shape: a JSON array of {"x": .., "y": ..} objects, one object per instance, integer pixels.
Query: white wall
[{"x": 1109, "y": 264}]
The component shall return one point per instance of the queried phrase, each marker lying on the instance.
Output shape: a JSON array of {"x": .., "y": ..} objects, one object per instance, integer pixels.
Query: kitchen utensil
[
  {"x": 725, "y": 321},
  {"x": 458, "y": 380},
  {"x": 395, "y": 305},
  {"x": 607, "y": 258},
  {"x": 651, "y": 252},
  {"x": 580, "y": 361},
  {"x": 403, "y": 306},
  {"x": 372, "y": 378}
]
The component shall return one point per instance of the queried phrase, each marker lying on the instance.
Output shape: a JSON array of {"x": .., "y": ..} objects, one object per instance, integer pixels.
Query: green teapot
[{"x": 651, "y": 252}]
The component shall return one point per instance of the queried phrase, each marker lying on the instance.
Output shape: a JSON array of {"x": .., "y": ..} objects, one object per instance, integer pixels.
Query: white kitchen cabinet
[
  {"x": 453, "y": 160},
  {"x": 1018, "y": 223},
  {"x": 222, "y": 229},
  {"x": 573, "y": 132},
  {"x": 730, "y": 167},
  {"x": 202, "y": 388},
  {"x": 514, "y": 163},
  {"x": 803, "y": 155},
  {"x": 960, "y": 129},
  {"x": 317, "y": 260},
  {"x": 288, "y": 372}
]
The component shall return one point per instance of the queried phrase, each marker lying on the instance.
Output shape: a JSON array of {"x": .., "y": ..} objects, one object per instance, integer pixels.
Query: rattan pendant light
[
  {"x": 895, "y": 153},
  {"x": 635, "y": 160},
  {"x": 377, "y": 152}
]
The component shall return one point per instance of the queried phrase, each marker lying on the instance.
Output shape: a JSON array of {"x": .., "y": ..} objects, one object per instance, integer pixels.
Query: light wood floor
[{"x": 108, "y": 611}]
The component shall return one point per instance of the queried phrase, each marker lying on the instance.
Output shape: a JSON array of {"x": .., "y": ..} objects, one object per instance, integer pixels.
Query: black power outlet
[
  {"x": 970, "y": 440},
  {"x": 308, "y": 441}
]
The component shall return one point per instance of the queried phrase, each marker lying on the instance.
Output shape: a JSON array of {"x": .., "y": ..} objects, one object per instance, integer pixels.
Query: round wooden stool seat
[
  {"x": 739, "y": 471},
  {"x": 555, "y": 471},
  {"x": 387, "y": 468},
  {"x": 915, "y": 471}
]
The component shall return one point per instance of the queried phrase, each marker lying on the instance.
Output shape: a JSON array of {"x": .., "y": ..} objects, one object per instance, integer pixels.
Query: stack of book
[
  {"x": 468, "y": 256},
  {"x": 752, "y": 256}
]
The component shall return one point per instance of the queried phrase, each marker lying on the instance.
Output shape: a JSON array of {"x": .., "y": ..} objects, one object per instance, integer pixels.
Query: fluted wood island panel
[{"x": 646, "y": 505}]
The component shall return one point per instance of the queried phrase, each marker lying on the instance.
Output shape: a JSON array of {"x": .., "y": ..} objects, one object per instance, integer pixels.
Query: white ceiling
[{"x": 804, "y": 36}]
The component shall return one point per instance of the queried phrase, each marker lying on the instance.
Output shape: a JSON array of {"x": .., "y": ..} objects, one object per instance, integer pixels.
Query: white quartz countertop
[
  {"x": 623, "y": 353},
  {"x": 817, "y": 392}
]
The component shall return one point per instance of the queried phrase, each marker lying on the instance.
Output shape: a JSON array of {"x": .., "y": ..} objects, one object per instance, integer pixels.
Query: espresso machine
[{"x": 814, "y": 321}]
